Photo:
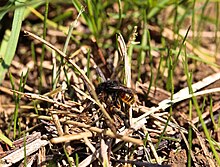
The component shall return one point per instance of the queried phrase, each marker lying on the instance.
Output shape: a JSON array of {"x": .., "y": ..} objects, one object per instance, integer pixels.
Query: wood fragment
[{"x": 19, "y": 154}]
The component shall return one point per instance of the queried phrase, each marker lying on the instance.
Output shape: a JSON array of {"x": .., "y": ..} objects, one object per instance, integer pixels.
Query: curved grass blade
[{"x": 13, "y": 40}]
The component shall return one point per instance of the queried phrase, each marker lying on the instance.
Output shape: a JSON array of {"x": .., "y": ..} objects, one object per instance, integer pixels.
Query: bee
[{"x": 116, "y": 92}]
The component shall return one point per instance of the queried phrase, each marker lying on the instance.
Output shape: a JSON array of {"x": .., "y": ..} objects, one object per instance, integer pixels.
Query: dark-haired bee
[
  {"x": 117, "y": 98},
  {"x": 117, "y": 92}
]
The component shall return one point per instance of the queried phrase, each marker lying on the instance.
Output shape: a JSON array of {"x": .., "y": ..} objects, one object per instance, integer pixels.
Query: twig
[
  {"x": 93, "y": 129},
  {"x": 167, "y": 103}
]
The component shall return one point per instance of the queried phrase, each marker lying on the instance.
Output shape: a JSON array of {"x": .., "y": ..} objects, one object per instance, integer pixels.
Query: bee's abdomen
[{"x": 127, "y": 98}]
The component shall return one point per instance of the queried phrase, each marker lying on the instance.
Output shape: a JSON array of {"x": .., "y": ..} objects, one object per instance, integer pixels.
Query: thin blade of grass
[
  {"x": 180, "y": 49},
  {"x": 189, "y": 159},
  {"x": 151, "y": 62},
  {"x": 159, "y": 6},
  {"x": 201, "y": 20},
  {"x": 89, "y": 18},
  {"x": 217, "y": 25},
  {"x": 158, "y": 70},
  {"x": 88, "y": 64},
  {"x": 77, "y": 160},
  {"x": 190, "y": 132},
  {"x": 193, "y": 20},
  {"x": 119, "y": 14},
  {"x": 142, "y": 55},
  {"x": 43, "y": 45},
  {"x": 6, "y": 140}
]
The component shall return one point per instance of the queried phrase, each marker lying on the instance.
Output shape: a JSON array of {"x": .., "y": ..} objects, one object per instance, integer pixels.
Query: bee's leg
[
  {"x": 127, "y": 123},
  {"x": 123, "y": 116},
  {"x": 118, "y": 104}
]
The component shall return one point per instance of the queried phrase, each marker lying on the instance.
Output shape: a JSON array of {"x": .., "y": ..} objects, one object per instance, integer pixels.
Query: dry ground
[{"x": 73, "y": 111}]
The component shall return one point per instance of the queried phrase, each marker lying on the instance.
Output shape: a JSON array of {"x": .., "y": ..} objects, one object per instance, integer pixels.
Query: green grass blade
[
  {"x": 201, "y": 21},
  {"x": 193, "y": 19},
  {"x": 190, "y": 132},
  {"x": 5, "y": 9},
  {"x": 12, "y": 84},
  {"x": 119, "y": 14},
  {"x": 142, "y": 55},
  {"x": 63, "y": 16},
  {"x": 212, "y": 115},
  {"x": 151, "y": 62},
  {"x": 181, "y": 46},
  {"x": 158, "y": 70},
  {"x": 189, "y": 161},
  {"x": 17, "y": 100},
  {"x": 217, "y": 25},
  {"x": 69, "y": 159},
  {"x": 162, "y": 4},
  {"x": 4, "y": 44},
  {"x": 88, "y": 64},
  {"x": 33, "y": 54},
  {"x": 43, "y": 45},
  {"x": 169, "y": 85},
  {"x": 77, "y": 160},
  {"x": 13, "y": 39},
  {"x": 88, "y": 18},
  {"x": 6, "y": 140},
  {"x": 175, "y": 24}
]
